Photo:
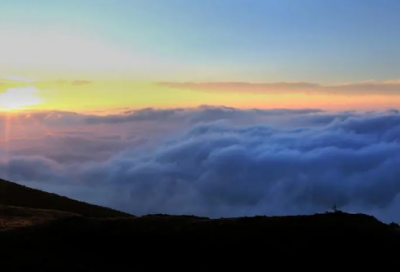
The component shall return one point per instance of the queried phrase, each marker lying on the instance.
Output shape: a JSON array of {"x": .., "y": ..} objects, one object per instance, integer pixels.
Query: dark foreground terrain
[
  {"x": 18, "y": 195},
  {"x": 56, "y": 235}
]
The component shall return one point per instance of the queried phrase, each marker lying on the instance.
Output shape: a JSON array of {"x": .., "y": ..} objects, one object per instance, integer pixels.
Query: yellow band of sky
[{"x": 81, "y": 95}]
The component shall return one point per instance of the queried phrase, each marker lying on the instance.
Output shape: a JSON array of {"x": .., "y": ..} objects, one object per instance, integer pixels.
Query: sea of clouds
[{"x": 210, "y": 161}]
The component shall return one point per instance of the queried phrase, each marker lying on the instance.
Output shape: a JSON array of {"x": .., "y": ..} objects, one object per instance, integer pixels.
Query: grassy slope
[{"x": 22, "y": 196}]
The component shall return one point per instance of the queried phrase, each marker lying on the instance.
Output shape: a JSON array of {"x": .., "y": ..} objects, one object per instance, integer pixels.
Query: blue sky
[{"x": 247, "y": 40}]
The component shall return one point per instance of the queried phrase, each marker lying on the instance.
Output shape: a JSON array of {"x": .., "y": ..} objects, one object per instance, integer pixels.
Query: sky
[
  {"x": 347, "y": 53},
  {"x": 208, "y": 107}
]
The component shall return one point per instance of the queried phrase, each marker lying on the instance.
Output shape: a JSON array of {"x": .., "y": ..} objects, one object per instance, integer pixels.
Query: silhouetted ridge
[
  {"x": 84, "y": 237},
  {"x": 22, "y": 196}
]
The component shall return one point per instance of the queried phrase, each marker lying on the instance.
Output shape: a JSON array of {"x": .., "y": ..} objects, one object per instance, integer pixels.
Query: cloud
[
  {"x": 73, "y": 82},
  {"x": 358, "y": 88},
  {"x": 220, "y": 167},
  {"x": 204, "y": 113},
  {"x": 80, "y": 82},
  {"x": 240, "y": 86},
  {"x": 369, "y": 87}
]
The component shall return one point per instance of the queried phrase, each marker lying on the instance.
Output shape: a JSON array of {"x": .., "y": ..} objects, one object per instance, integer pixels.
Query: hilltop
[
  {"x": 69, "y": 240},
  {"x": 14, "y": 194}
]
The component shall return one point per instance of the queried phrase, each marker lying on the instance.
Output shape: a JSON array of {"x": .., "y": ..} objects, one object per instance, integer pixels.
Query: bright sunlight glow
[{"x": 18, "y": 98}]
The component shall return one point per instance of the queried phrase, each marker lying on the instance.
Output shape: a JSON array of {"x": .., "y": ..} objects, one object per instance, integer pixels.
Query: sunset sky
[
  {"x": 206, "y": 107},
  {"x": 93, "y": 54}
]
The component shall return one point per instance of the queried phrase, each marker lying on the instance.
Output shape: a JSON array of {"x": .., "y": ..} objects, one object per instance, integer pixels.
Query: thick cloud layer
[{"x": 216, "y": 161}]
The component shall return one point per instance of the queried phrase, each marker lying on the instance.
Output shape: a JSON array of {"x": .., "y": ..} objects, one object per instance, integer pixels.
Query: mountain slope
[
  {"x": 12, "y": 218},
  {"x": 84, "y": 237},
  {"x": 184, "y": 243},
  {"x": 13, "y": 194}
]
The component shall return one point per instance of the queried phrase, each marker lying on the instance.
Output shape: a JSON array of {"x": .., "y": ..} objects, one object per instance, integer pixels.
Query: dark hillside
[
  {"x": 18, "y": 195},
  {"x": 97, "y": 239}
]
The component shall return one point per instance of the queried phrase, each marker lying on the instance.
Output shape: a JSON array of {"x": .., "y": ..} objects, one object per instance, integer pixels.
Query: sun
[{"x": 19, "y": 98}]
